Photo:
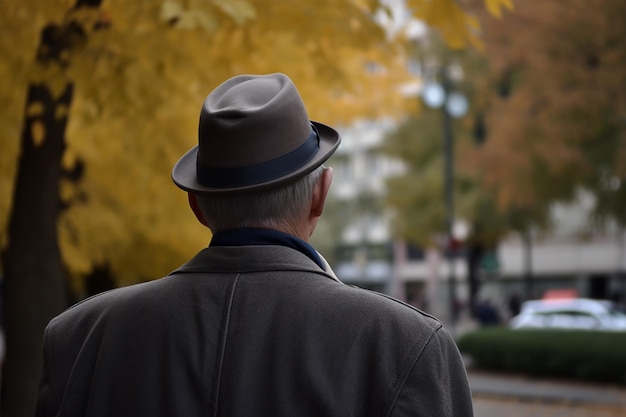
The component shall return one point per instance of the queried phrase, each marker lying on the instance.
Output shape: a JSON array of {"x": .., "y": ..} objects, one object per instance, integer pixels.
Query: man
[{"x": 256, "y": 324}]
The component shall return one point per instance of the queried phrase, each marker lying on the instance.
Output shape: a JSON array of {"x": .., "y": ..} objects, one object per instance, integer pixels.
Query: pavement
[{"x": 492, "y": 385}]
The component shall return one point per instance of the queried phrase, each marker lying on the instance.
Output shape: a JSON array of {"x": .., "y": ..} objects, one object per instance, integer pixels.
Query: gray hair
[{"x": 267, "y": 208}]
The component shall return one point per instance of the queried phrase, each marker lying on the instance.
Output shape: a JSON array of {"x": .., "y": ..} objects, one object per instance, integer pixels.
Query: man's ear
[
  {"x": 320, "y": 192},
  {"x": 195, "y": 207}
]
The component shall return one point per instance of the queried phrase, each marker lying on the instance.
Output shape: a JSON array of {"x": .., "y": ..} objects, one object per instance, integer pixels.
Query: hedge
[{"x": 576, "y": 354}]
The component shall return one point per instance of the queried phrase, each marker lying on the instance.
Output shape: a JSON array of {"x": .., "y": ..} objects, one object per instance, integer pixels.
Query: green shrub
[{"x": 588, "y": 355}]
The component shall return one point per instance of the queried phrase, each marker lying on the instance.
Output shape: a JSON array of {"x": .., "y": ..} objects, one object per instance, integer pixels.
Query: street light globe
[
  {"x": 456, "y": 105},
  {"x": 433, "y": 95}
]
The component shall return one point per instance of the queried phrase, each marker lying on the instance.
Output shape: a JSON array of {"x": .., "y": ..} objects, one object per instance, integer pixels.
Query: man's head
[{"x": 254, "y": 139}]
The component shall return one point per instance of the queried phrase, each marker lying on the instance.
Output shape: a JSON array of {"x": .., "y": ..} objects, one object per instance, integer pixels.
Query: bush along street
[{"x": 576, "y": 354}]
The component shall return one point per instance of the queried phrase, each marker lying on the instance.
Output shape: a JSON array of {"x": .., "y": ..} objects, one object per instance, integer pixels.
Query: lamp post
[{"x": 453, "y": 105}]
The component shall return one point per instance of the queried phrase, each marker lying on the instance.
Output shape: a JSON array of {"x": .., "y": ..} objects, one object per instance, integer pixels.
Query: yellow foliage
[
  {"x": 495, "y": 6},
  {"x": 457, "y": 27},
  {"x": 139, "y": 83},
  {"x": 240, "y": 11}
]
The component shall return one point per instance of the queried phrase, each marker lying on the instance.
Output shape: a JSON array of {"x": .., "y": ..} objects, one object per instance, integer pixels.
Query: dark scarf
[{"x": 245, "y": 237}]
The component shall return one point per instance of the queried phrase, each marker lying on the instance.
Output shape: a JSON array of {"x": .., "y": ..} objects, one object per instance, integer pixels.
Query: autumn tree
[
  {"x": 557, "y": 105},
  {"x": 549, "y": 95},
  {"x": 419, "y": 196},
  {"x": 111, "y": 102},
  {"x": 32, "y": 255},
  {"x": 556, "y": 110}
]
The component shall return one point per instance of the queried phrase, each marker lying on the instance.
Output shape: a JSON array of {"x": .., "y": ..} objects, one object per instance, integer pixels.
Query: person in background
[
  {"x": 256, "y": 324},
  {"x": 515, "y": 304}
]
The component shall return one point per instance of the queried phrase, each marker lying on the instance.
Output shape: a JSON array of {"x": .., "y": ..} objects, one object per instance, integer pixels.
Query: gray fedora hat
[{"x": 254, "y": 132}]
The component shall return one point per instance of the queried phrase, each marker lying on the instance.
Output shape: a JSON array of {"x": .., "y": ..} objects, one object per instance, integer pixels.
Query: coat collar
[{"x": 254, "y": 258}]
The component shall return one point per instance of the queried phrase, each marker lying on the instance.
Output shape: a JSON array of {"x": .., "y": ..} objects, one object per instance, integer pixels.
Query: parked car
[{"x": 575, "y": 313}]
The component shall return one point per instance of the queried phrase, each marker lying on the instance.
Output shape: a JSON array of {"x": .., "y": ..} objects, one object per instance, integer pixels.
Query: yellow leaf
[
  {"x": 69, "y": 159},
  {"x": 450, "y": 20},
  {"x": 494, "y": 7},
  {"x": 170, "y": 10},
  {"x": 472, "y": 23},
  {"x": 66, "y": 190},
  {"x": 369, "y": 5},
  {"x": 240, "y": 11}
]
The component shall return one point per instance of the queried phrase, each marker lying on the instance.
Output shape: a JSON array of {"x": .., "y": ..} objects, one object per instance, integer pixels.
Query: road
[
  {"x": 502, "y": 395},
  {"x": 497, "y": 407}
]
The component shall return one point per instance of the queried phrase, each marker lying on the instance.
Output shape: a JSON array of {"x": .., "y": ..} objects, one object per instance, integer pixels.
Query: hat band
[{"x": 261, "y": 172}]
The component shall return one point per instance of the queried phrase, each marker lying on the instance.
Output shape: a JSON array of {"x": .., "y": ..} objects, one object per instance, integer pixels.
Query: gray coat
[{"x": 249, "y": 331}]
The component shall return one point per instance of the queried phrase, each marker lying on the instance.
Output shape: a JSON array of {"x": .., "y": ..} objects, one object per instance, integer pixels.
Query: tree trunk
[{"x": 33, "y": 279}]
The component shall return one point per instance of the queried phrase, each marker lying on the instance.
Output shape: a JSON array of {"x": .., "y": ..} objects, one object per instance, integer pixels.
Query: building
[{"x": 356, "y": 220}]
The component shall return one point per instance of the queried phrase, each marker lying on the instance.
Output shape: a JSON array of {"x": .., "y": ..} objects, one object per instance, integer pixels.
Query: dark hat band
[{"x": 258, "y": 173}]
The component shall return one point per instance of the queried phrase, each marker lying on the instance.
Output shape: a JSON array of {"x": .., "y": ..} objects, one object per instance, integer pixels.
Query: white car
[{"x": 575, "y": 313}]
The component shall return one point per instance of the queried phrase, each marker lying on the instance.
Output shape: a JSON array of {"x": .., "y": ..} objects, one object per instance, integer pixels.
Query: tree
[
  {"x": 555, "y": 115},
  {"x": 33, "y": 251},
  {"x": 550, "y": 96},
  {"x": 131, "y": 76},
  {"x": 417, "y": 196}
]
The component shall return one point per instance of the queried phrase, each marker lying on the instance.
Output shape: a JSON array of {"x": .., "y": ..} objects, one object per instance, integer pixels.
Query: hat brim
[{"x": 184, "y": 172}]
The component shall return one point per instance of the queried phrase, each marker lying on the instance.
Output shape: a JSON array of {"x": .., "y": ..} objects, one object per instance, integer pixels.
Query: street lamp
[{"x": 453, "y": 105}]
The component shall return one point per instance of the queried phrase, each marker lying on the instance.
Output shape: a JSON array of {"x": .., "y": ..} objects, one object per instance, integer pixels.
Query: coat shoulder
[
  {"x": 124, "y": 304},
  {"x": 386, "y": 316}
]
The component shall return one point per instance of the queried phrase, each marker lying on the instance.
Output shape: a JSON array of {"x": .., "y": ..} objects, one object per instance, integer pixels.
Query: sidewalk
[{"x": 485, "y": 384}]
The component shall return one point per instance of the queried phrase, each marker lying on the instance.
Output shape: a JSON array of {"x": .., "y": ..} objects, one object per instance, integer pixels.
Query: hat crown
[
  {"x": 251, "y": 119},
  {"x": 254, "y": 132}
]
